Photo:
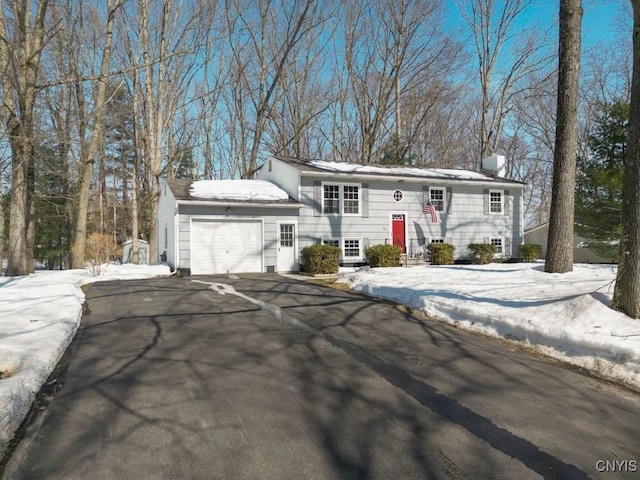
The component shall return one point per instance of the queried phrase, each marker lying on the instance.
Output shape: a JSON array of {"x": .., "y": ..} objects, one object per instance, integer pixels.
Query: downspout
[{"x": 176, "y": 238}]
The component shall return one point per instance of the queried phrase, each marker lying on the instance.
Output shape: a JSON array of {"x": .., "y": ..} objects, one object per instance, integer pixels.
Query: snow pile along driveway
[
  {"x": 566, "y": 316},
  {"x": 40, "y": 316}
]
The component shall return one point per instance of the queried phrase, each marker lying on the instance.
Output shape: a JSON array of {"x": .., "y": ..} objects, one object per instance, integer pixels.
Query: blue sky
[{"x": 603, "y": 20}]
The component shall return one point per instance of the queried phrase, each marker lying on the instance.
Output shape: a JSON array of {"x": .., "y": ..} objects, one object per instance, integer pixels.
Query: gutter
[
  {"x": 454, "y": 181},
  {"x": 214, "y": 203}
]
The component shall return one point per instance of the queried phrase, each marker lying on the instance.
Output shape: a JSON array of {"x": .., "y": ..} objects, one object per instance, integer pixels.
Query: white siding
[
  {"x": 166, "y": 220},
  {"x": 283, "y": 175},
  {"x": 463, "y": 221},
  {"x": 270, "y": 217}
]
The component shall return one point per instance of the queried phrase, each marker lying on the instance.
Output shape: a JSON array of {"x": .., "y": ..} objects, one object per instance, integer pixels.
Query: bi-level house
[{"x": 350, "y": 205}]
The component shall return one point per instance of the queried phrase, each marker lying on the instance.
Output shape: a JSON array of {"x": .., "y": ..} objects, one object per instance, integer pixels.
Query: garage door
[{"x": 220, "y": 246}]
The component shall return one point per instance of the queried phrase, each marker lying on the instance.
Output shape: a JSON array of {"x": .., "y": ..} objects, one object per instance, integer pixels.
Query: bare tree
[
  {"x": 398, "y": 58},
  {"x": 626, "y": 294},
  {"x": 162, "y": 51},
  {"x": 4, "y": 164},
  {"x": 303, "y": 100},
  {"x": 91, "y": 146},
  {"x": 491, "y": 25},
  {"x": 263, "y": 39},
  {"x": 560, "y": 240},
  {"x": 23, "y": 35}
]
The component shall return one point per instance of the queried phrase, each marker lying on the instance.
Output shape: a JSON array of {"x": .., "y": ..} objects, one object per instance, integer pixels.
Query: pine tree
[{"x": 599, "y": 180}]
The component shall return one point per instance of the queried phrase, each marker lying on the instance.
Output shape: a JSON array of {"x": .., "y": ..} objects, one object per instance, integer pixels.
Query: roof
[
  {"x": 320, "y": 167},
  {"x": 228, "y": 192}
]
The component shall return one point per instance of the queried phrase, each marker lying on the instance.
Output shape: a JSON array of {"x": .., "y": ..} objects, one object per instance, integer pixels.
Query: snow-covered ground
[
  {"x": 565, "y": 316},
  {"x": 39, "y": 316}
]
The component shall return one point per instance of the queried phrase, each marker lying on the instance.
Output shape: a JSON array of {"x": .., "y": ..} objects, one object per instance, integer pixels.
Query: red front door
[{"x": 397, "y": 231}]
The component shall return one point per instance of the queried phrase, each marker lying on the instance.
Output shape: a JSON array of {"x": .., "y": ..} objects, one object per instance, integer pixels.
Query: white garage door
[{"x": 221, "y": 246}]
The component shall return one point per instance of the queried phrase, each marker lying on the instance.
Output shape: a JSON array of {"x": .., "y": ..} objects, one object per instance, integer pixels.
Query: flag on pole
[{"x": 431, "y": 210}]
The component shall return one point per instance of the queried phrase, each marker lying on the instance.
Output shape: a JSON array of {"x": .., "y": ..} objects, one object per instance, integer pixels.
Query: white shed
[{"x": 143, "y": 252}]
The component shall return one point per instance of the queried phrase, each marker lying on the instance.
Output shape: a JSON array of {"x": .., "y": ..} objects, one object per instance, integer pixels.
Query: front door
[
  {"x": 287, "y": 247},
  {"x": 398, "y": 231}
]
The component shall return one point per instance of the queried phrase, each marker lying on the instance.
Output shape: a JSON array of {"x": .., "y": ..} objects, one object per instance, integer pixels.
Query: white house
[{"x": 351, "y": 205}]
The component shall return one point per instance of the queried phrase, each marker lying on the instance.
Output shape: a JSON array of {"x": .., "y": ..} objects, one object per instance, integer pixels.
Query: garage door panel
[{"x": 220, "y": 246}]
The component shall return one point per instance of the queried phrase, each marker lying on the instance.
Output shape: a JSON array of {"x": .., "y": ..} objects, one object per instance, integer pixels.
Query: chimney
[{"x": 495, "y": 165}]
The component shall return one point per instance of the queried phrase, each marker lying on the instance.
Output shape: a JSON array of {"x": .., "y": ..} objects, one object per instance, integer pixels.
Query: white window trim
[
  {"x": 500, "y": 253},
  {"x": 444, "y": 197},
  {"x": 501, "y": 212},
  {"x": 360, "y": 254},
  {"x": 439, "y": 239},
  {"x": 341, "y": 186}
]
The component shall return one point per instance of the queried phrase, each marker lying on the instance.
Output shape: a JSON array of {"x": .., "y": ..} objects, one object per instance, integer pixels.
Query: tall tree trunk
[
  {"x": 626, "y": 294},
  {"x": 80, "y": 236},
  {"x": 560, "y": 241},
  {"x": 1, "y": 223},
  {"x": 20, "y": 64}
]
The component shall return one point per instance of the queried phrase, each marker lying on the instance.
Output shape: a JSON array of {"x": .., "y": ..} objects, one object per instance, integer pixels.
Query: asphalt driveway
[{"x": 265, "y": 377}]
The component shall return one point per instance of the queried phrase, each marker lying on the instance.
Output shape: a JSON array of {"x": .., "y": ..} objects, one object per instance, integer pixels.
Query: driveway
[{"x": 266, "y": 377}]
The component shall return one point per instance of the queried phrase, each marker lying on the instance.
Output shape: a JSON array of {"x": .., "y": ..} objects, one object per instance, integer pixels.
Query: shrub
[
  {"x": 441, "y": 253},
  {"x": 482, "y": 253},
  {"x": 100, "y": 249},
  {"x": 321, "y": 259},
  {"x": 529, "y": 252},
  {"x": 383, "y": 255}
]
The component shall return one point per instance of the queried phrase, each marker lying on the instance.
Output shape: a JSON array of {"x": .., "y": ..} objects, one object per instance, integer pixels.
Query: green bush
[
  {"x": 441, "y": 253},
  {"x": 383, "y": 255},
  {"x": 321, "y": 259},
  {"x": 529, "y": 252},
  {"x": 482, "y": 253}
]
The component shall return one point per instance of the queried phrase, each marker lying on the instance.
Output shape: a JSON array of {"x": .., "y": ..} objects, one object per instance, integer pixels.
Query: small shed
[
  {"x": 143, "y": 252},
  {"x": 581, "y": 251}
]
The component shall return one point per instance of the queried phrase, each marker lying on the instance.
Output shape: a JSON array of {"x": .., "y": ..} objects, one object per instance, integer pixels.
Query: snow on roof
[
  {"x": 237, "y": 190},
  {"x": 346, "y": 167}
]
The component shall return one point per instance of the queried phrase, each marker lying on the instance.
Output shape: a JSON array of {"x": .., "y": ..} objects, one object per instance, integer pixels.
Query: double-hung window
[
  {"x": 436, "y": 196},
  {"x": 351, "y": 247},
  {"x": 351, "y": 250},
  {"x": 341, "y": 199},
  {"x": 331, "y": 199},
  {"x": 495, "y": 201}
]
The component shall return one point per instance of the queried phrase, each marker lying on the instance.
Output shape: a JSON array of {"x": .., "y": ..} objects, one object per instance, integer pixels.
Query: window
[
  {"x": 436, "y": 195},
  {"x": 351, "y": 248},
  {"x": 334, "y": 242},
  {"x": 331, "y": 199},
  {"x": 341, "y": 199},
  {"x": 166, "y": 237},
  {"x": 286, "y": 234},
  {"x": 498, "y": 242},
  {"x": 398, "y": 195},
  {"x": 351, "y": 199},
  {"x": 436, "y": 240},
  {"x": 495, "y": 201}
]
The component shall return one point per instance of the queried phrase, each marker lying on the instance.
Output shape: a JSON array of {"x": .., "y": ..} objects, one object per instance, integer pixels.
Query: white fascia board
[
  {"x": 213, "y": 203},
  {"x": 393, "y": 178}
]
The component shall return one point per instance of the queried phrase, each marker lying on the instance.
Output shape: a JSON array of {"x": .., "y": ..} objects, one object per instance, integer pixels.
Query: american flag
[{"x": 430, "y": 209}]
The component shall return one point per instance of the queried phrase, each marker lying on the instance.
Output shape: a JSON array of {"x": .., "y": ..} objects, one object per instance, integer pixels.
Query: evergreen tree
[
  {"x": 183, "y": 165},
  {"x": 52, "y": 227},
  {"x": 599, "y": 180},
  {"x": 396, "y": 152}
]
